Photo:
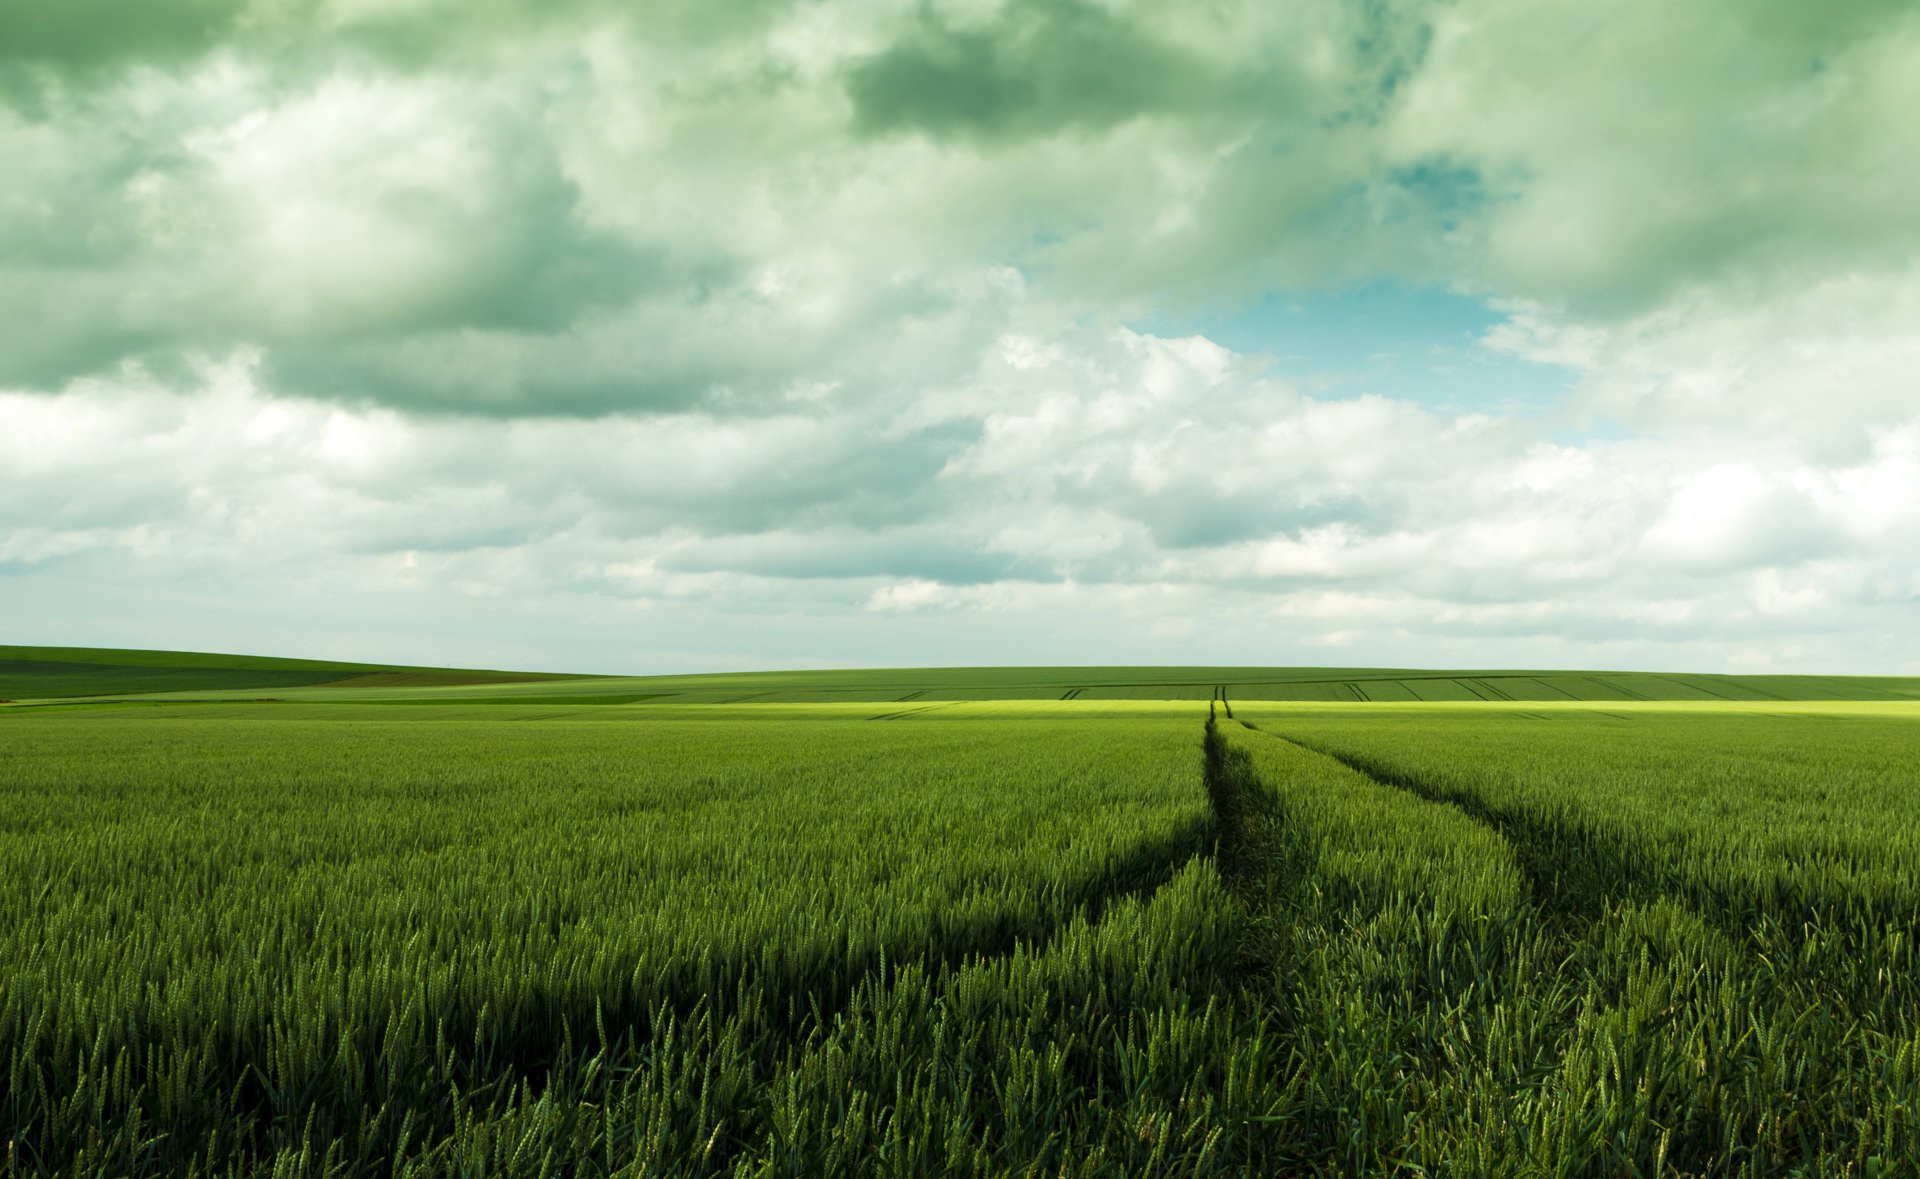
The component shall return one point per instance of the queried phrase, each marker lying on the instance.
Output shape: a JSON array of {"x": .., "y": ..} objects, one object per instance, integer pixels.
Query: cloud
[
  {"x": 1039, "y": 67},
  {"x": 318, "y": 228},
  {"x": 820, "y": 312},
  {"x": 1825, "y": 361},
  {"x": 1646, "y": 151},
  {"x": 525, "y": 166},
  {"x": 1081, "y": 472},
  {"x": 563, "y": 210},
  {"x": 95, "y": 33}
]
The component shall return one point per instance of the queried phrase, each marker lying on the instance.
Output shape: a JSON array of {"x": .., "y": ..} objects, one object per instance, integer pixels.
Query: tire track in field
[
  {"x": 1374, "y": 773},
  {"x": 1552, "y": 687},
  {"x": 1578, "y": 873},
  {"x": 1614, "y": 685},
  {"x": 1575, "y": 873},
  {"x": 1540, "y": 849},
  {"x": 1573, "y": 979},
  {"x": 1271, "y": 861},
  {"x": 906, "y": 712},
  {"x": 1738, "y": 972},
  {"x": 733, "y": 987}
]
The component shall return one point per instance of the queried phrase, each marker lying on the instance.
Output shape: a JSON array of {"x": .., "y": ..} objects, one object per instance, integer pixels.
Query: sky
[{"x": 677, "y": 336}]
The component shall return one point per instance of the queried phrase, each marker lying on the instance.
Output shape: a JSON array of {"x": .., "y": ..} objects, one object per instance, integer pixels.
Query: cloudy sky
[{"x": 681, "y": 335}]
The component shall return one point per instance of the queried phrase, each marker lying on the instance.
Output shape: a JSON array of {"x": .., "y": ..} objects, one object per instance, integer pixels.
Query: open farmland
[
  {"x": 1669, "y": 937},
  {"x": 63, "y": 672},
  {"x": 39, "y": 675},
  {"x": 545, "y": 927},
  {"x": 758, "y": 944}
]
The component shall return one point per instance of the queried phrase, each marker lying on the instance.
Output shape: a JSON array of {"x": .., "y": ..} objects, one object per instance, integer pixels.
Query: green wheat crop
[
  {"x": 379, "y": 947},
  {"x": 929, "y": 938},
  {"x": 1709, "y": 968}
]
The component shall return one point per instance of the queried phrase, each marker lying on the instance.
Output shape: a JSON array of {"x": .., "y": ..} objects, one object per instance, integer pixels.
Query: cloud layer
[{"x": 811, "y": 334}]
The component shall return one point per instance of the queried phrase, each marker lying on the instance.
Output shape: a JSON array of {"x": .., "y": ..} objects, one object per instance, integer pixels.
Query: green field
[
  {"x": 34, "y": 675},
  {"x": 387, "y": 924}
]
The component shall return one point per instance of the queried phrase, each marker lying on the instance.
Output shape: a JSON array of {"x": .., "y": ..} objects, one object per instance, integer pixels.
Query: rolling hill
[
  {"x": 55, "y": 673},
  {"x": 39, "y": 673}
]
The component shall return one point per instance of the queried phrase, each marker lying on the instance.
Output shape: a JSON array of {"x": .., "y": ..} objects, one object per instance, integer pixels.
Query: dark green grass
[
  {"x": 100, "y": 674},
  {"x": 36, "y": 678},
  {"x": 42, "y": 672},
  {"x": 1688, "y": 945},
  {"x": 1256, "y": 683},
  {"x": 925, "y": 938},
  {"x": 281, "y": 944}
]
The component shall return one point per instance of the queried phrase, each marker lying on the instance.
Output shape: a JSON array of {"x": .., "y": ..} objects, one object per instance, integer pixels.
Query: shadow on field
[
  {"x": 1578, "y": 873},
  {"x": 1643, "y": 1001},
  {"x": 759, "y": 1004},
  {"x": 1255, "y": 847},
  {"x": 1572, "y": 876}
]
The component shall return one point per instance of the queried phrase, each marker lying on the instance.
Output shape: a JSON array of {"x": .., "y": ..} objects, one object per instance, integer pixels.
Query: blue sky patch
[{"x": 1419, "y": 344}]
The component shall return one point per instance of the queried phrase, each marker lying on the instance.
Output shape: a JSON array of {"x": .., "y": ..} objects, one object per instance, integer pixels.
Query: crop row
[
  {"x": 1362, "y": 944},
  {"x": 1593, "y": 947},
  {"x": 425, "y": 948}
]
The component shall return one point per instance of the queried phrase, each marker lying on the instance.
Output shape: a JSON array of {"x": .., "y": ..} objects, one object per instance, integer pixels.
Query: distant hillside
[
  {"x": 38, "y": 673},
  {"x": 1258, "y": 683},
  {"x": 29, "y": 673}
]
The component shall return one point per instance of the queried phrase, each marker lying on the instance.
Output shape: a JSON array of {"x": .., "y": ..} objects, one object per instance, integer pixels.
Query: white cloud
[
  {"x": 1825, "y": 360},
  {"x": 917, "y": 594},
  {"x": 1164, "y": 485},
  {"x": 723, "y": 320}
]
